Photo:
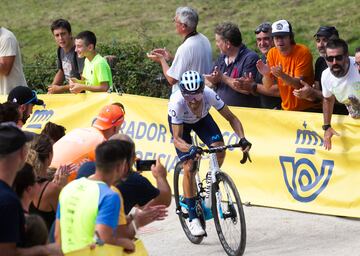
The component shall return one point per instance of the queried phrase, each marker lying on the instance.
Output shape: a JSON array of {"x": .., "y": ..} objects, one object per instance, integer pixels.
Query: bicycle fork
[{"x": 215, "y": 170}]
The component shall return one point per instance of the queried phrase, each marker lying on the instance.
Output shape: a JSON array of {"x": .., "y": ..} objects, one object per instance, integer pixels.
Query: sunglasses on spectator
[
  {"x": 337, "y": 58},
  {"x": 33, "y": 99},
  {"x": 264, "y": 27},
  {"x": 191, "y": 97}
]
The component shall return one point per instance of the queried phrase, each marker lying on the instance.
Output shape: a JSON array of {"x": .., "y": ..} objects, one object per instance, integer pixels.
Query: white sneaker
[{"x": 196, "y": 228}]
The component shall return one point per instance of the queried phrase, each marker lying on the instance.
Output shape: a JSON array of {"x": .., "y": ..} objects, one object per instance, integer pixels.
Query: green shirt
[
  {"x": 96, "y": 71},
  {"x": 83, "y": 204}
]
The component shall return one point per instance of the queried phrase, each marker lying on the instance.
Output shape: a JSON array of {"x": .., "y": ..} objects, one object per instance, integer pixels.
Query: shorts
[{"x": 206, "y": 129}]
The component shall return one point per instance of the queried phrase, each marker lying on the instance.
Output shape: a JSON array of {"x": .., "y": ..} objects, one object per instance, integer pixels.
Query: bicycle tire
[
  {"x": 181, "y": 211},
  {"x": 229, "y": 219}
]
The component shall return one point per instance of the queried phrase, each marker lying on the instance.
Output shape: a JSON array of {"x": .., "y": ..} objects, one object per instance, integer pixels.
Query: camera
[{"x": 144, "y": 165}]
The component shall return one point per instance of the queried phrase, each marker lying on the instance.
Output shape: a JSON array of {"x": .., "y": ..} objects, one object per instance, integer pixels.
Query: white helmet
[{"x": 191, "y": 83}]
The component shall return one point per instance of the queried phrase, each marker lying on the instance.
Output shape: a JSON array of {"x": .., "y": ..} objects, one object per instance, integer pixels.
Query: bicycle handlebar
[{"x": 246, "y": 155}]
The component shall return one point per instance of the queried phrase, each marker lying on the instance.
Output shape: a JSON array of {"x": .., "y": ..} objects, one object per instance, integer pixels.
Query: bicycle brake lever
[{"x": 246, "y": 156}]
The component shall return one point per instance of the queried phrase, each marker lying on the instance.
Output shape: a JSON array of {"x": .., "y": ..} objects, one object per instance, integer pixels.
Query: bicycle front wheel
[
  {"x": 228, "y": 215},
  {"x": 181, "y": 207}
]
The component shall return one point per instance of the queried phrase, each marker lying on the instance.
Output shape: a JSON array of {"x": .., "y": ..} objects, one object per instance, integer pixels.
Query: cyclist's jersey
[{"x": 179, "y": 112}]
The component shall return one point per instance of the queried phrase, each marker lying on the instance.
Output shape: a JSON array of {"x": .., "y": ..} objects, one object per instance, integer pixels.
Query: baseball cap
[
  {"x": 24, "y": 95},
  {"x": 109, "y": 116},
  {"x": 327, "y": 31},
  {"x": 12, "y": 138},
  {"x": 281, "y": 28}
]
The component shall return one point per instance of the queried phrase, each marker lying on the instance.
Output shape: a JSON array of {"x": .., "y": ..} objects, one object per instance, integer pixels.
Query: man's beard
[
  {"x": 24, "y": 118},
  {"x": 340, "y": 72}
]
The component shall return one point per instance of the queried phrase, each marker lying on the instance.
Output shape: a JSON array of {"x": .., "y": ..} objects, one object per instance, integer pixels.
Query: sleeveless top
[{"x": 48, "y": 217}]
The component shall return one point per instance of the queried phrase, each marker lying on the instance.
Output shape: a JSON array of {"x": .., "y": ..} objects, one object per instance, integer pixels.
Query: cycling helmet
[{"x": 191, "y": 82}]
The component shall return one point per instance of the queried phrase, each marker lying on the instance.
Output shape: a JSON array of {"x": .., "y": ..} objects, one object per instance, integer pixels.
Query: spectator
[
  {"x": 54, "y": 131},
  {"x": 9, "y": 112},
  {"x": 45, "y": 202},
  {"x": 268, "y": 98},
  {"x": 88, "y": 206},
  {"x": 96, "y": 76},
  {"x": 341, "y": 81},
  {"x": 12, "y": 220},
  {"x": 357, "y": 58},
  {"x": 26, "y": 99},
  {"x": 68, "y": 63},
  {"x": 313, "y": 93},
  {"x": 11, "y": 70},
  {"x": 289, "y": 63},
  {"x": 26, "y": 187},
  {"x": 234, "y": 61},
  {"x": 136, "y": 189},
  {"x": 78, "y": 146},
  {"x": 36, "y": 232},
  {"x": 193, "y": 54}
]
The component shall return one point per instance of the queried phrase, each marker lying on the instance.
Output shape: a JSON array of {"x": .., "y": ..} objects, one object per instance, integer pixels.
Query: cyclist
[{"x": 189, "y": 110}]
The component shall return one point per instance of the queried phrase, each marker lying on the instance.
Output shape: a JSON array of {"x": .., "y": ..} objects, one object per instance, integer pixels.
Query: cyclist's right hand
[{"x": 192, "y": 153}]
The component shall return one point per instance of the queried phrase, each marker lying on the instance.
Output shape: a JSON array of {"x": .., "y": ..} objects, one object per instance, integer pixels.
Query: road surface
[{"x": 269, "y": 232}]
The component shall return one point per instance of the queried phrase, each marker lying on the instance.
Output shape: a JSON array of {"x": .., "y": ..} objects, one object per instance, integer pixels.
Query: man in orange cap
[{"x": 78, "y": 146}]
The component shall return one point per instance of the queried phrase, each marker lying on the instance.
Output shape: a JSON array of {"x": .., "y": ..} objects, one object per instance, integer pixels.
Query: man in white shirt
[
  {"x": 341, "y": 80},
  {"x": 193, "y": 54},
  {"x": 11, "y": 71}
]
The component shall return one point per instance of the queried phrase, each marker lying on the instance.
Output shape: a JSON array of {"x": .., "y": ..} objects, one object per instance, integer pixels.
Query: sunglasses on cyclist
[
  {"x": 191, "y": 97},
  {"x": 337, "y": 58},
  {"x": 264, "y": 27}
]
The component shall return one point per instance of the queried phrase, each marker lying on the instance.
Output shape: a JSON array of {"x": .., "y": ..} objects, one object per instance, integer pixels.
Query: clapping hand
[
  {"x": 62, "y": 173},
  {"x": 215, "y": 77},
  {"x": 263, "y": 68},
  {"x": 244, "y": 84}
]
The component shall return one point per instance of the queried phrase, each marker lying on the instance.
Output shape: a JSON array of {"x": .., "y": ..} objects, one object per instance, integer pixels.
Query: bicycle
[{"x": 226, "y": 206}]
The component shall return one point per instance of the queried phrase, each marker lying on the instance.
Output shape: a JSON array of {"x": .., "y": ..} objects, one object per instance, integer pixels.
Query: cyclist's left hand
[{"x": 245, "y": 144}]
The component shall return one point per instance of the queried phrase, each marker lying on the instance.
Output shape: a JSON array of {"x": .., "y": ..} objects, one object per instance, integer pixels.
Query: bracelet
[
  {"x": 326, "y": 127},
  {"x": 254, "y": 88}
]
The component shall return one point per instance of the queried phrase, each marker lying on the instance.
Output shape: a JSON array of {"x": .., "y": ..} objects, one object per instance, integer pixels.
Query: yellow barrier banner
[
  {"x": 290, "y": 168},
  {"x": 110, "y": 250}
]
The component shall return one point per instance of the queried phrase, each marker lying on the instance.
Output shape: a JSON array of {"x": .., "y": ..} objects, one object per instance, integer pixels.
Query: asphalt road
[{"x": 269, "y": 232}]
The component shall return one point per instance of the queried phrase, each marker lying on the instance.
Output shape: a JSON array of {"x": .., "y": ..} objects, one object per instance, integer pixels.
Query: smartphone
[{"x": 144, "y": 165}]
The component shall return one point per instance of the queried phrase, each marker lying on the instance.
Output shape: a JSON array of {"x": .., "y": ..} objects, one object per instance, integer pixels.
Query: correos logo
[
  {"x": 38, "y": 118},
  {"x": 305, "y": 179}
]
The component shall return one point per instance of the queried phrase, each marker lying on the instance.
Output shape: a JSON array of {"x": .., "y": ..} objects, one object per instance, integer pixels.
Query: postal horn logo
[{"x": 306, "y": 176}]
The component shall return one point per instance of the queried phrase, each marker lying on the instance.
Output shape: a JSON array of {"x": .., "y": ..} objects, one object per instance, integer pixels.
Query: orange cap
[{"x": 109, "y": 116}]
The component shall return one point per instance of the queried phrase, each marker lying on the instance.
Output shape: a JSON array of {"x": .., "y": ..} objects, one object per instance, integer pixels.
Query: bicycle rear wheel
[
  {"x": 181, "y": 207},
  {"x": 228, "y": 215}
]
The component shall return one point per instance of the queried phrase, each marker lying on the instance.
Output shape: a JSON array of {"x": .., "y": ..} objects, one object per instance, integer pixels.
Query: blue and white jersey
[{"x": 180, "y": 113}]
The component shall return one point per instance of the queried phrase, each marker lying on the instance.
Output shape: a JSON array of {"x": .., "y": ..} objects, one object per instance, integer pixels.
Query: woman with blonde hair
[{"x": 40, "y": 156}]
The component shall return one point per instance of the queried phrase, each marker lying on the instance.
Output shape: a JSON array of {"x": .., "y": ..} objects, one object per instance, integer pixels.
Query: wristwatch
[
  {"x": 254, "y": 89},
  {"x": 326, "y": 126}
]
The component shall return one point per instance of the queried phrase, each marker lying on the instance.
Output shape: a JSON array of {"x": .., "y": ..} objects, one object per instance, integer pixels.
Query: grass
[{"x": 120, "y": 20}]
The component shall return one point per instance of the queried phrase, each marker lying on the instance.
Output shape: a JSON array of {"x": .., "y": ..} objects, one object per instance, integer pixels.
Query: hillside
[{"x": 122, "y": 20}]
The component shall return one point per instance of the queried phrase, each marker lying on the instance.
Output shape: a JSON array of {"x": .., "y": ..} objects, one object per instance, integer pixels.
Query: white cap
[{"x": 281, "y": 28}]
